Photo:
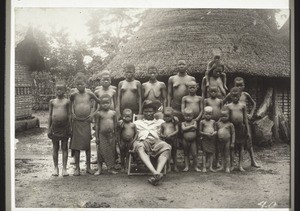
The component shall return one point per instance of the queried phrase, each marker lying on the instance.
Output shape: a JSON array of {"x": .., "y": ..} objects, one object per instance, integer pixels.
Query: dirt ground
[{"x": 268, "y": 186}]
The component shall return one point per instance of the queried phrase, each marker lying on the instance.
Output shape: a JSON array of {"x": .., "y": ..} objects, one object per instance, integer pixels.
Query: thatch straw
[
  {"x": 284, "y": 33},
  {"x": 244, "y": 40}
]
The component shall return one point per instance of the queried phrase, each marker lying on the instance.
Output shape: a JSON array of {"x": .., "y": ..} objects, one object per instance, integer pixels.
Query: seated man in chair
[{"x": 148, "y": 142}]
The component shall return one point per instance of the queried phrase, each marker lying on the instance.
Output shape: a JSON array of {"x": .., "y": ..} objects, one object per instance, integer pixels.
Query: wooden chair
[{"x": 135, "y": 163}]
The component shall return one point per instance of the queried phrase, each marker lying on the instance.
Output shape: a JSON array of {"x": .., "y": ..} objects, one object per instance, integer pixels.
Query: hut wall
[{"x": 23, "y": 91}]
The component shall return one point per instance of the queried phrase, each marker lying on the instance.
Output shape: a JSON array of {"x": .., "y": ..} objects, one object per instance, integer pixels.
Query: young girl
[
  {"x": 208, "y": 132},
  {"x": 106, "y": 125}
]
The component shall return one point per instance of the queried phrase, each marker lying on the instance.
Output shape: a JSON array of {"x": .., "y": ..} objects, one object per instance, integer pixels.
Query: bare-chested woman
[
  {"x": 129, "y": 92},
  {"x": 177, "y": 88}
]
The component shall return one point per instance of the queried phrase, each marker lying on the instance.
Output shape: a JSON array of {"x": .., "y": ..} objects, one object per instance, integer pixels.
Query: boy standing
[
  {"x": 60, "y": 126},
  {"x": 189, "y": 134},
  {"x": 238, "y": 117},
  {"x": 169, "y": 131},
  {"x": 82, "y": 113},
  {"x": 226, "y": 139},
  {"x": 244, "y": 99}
]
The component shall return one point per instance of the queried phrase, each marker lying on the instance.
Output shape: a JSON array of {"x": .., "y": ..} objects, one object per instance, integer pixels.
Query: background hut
[
  {"x": 284, "y": 34},
  {"x": 247, "y": 46},
  {"x": 27, "y": 60}
]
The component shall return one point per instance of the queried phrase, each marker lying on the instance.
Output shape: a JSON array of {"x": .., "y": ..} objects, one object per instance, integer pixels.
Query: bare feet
[
  {"x": 255, "y": 164},
  {"x": 241, "y": 169},
  {"x": 204, "y": 170},
  {"x": 197, "y": 169},
  {"x": 218, "y": 165},
  {"x": 65, "y": 173},
  {"x": 169, "y": 170},
  {"x": 176, "y": 169},
  {"x": 227, "y": 170},
  {"x": 220, "y": 169},
  {"x": 98, "y": 172},
  {"x": 90, "y": 171},
  {"x": 185, "y": 169},
  {"x": 211, "y": 169},
  {"x": 76, "y": 172},
  {"x": 55, "y": 172},
  {"x": 231, "y": 168}
]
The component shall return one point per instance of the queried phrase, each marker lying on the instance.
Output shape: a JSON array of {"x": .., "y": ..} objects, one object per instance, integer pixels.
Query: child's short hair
[
  {"x": 208, "y": 109},
  {"x": 80, "y": 77},
  {"x": 105, "y": 96},
  {"x": 212, "y": 87},
  {"x": 129, "y": 67},
  {"x": 235, "y": 90},
  {"x": 60, "y": 82},
  {"x": 127, "y": 111},
  {"x": 217, "y": 56},
  {"x": 104, "y": 72},
  {"x": 238, "y": 79},
  {"x": 187, "y": 110},
  {"x": 152, "y": 68},
  {"x": 191, "y": 83},
  {"x": 168, "y": 110}
]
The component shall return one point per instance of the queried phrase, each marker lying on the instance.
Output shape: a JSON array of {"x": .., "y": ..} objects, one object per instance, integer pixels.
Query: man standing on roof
[{"x": 148, "y": 143}]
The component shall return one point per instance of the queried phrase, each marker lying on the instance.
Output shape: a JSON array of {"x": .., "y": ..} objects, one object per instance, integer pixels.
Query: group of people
[{"x": 152, "y": 120}]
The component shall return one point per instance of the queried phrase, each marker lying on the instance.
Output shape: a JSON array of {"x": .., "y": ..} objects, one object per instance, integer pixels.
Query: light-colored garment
[{"x": 148, "y": 129}]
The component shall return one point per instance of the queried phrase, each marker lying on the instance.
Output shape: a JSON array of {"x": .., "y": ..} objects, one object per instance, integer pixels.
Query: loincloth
[
  {"x": 240, "y": 134},
  {"x": 153, "y": 147},
  {"x": 209, "y": 144},
  {"x": 60, "y": 129},
  {"x": 81, "y": 135},
  {"x": 107, "y": 148}
]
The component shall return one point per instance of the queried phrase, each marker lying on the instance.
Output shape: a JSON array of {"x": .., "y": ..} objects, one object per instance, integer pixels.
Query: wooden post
[{"x": 275, "y": 115}]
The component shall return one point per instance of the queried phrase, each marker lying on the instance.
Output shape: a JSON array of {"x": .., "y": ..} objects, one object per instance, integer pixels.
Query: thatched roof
[
  {"x": 27, "y": 52},
  {"x": 284, "y": 33},
  {"x": 245, "y": 42}
]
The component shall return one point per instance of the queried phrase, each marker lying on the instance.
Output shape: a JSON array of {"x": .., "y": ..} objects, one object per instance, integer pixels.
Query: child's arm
[
  {"x": 183, "y": 104},
  {"x": 135, "y": 135},
  {"x": 50, "y": 119},
  {"x": 246, "y": 121},
  {"x": 139, "y": 92},
  {"x": 170, "y": 91},
  {"x": 164, "y": 94},
  {"x": 93, "y": 96},
  {"x": 161, "y": 134},
  {"x": 186, "y": 128},
  {"x": 201, "y": 110},
  {"x": 224, "y": 77},
  {"x": 118, "y": 109},
  {"x": 175, "y": 132},
  {"x": 116, "y": 127},
  {"x": 70, "y": 116},
  {"x": 232, "y": 130},
  {"x": 97, "y": 122},
  {"x": 253, "y": 104},
  {"x": 226, "y": 99},
  {"x": 203, "y": 86},
  {"x": 201, "y": 129},
  {"x": 215, "y": 130}
]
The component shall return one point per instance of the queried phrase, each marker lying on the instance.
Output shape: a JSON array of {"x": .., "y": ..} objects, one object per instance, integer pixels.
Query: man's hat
[{"x": 155, "y": 104}]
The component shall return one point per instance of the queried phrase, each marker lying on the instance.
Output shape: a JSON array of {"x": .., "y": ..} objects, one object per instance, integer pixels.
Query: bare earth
[{"x": 35, "y": 187}]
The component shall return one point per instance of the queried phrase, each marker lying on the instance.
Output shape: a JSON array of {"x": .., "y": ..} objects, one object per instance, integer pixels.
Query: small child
[
  {"x": 217, "y": 105},
  {"x": 226, "y": 139},
  {"x": 211, "y": 66},
  {"x": 169, "y": 131},
  {"x": 106, "y": 126},
  {"x": 214, "y": 80},
  {"x": 60, "y": 126},
  {"x": 208, "y": 132},
  {"x": 192, "y": 101},
  {"x": 127, "y": 134},
  {"x": 189, "y": 133},
  {"x": 238, "y": 117}
]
